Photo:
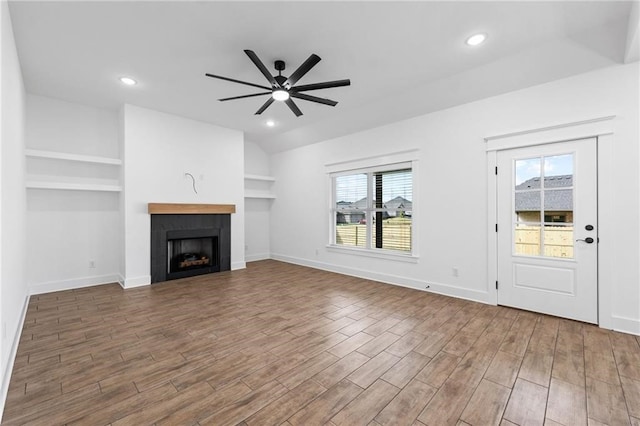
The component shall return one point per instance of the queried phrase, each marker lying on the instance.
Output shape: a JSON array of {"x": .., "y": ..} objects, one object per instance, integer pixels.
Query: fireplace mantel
[{"x": 172, "y": 208}]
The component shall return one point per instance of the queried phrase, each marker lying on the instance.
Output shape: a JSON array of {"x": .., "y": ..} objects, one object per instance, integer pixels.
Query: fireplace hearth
[{"x": 185, "y": 245}]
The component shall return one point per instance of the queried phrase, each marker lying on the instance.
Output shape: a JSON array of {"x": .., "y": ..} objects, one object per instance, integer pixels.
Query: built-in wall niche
[
  {"x": 258, "y": 186},
  {"x": 68, "y": 171}
]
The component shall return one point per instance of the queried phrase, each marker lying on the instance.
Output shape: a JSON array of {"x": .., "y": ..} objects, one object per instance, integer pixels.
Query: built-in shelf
[
  {"x": 47, "y": 170},
  {"x": 36, "y": 153},
  {"x": 258, "y": 186},
  {"x": 259, "y": 194},
  {"x": 72, "y": 186},
  {"x": 260, "y": 177}
]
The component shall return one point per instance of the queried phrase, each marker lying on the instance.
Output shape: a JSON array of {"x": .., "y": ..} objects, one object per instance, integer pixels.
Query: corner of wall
[{"x": 13, "y": 286}]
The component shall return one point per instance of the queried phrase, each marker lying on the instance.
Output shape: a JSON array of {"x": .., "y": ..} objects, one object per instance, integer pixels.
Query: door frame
[{"x": 600, "y": 128}]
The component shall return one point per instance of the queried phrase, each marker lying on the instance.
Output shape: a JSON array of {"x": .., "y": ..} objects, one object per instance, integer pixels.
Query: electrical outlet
[
  {"x": 454, "y": 271},
  {"x": 92, "y": 264},
  {"x": 317, "y": 252}
]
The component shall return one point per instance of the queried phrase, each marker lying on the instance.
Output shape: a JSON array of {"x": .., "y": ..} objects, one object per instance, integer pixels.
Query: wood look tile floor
[{"x": 279, "y": 344}]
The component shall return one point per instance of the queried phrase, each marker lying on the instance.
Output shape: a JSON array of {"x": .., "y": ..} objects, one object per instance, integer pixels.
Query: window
[{"x": 372, "y": 208}]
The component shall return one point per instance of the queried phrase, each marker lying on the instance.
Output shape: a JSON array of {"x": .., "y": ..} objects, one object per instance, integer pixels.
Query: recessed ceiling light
[
  {"x": 476, "y": 39},
  {"x": 270, "y": 123},
  {"x": 128, "y": 81}
]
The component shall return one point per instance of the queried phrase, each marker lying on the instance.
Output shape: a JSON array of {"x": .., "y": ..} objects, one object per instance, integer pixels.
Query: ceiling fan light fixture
[
  {"x": 270, "y": 123},
  {"x": 476, "y": 39},
  {"x": 280, "y": 95}
]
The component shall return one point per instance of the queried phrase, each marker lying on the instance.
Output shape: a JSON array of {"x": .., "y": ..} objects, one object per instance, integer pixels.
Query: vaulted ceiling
[{"x": 404, "y": 59}]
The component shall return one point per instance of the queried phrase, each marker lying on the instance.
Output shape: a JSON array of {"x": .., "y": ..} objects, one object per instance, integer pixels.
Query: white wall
[
  {"x": 66, "y": 230},
  {"x": 13, "y": 287},
  {"x": 158, "y": 150},
  {"x": 257, "y": 210},
  {"x": 452, "y": 190}
]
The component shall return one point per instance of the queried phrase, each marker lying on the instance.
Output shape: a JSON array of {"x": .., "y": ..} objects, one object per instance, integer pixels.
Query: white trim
[
  {"x": 6, "y": 374},
  {"x": 364, "y": 162},
  {"x": 492, "y": 217},
  {"x": 135, "y": 282},
  {"x": 606, "y": 221},
  {"x": 386, "y": 167},
  {"x": 256, "y": 257},
  {"x": 625, "y": 325},
  {"x": 552, "y": 134},
  {"x": 377, "y": 253},
  {"x": 438, "y": 288},
  {"x": 238, "y": 265},
  {"x": 60, "y": 285}
]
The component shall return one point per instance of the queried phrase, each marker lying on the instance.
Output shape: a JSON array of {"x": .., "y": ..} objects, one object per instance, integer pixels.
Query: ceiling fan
[{"x": 283, "y": 88}]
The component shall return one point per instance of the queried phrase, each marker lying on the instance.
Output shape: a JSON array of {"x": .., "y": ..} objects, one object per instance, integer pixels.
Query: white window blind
[{"x": 373, "y": 208}]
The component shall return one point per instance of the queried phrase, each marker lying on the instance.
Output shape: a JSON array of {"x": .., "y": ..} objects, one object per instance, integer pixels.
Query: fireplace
[
  {"x": 186, "y": 245},
  {"x": 192, "y": 252}
]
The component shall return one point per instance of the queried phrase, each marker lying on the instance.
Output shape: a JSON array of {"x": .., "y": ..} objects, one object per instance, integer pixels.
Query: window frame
[{"x": 369, "y": 170}]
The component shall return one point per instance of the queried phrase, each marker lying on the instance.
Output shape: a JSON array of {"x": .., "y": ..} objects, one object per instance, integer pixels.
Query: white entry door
[{"x": 547, "y": 229}]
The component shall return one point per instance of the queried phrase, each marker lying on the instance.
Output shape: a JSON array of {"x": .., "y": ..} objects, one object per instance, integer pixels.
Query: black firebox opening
[
  {"x": 186, "y": 254},
  {"x": 192, "y": 252}
]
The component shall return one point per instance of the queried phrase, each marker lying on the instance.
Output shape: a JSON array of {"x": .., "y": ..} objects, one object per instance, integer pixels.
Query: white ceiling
[{"x": 403, "y": 58}]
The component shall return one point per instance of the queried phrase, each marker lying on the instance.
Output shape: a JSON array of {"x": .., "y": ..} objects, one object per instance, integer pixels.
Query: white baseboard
[
  {"x": 439, "y": 288},
  {"x": 626, "y": 325},
  {"x": 134, "y": 282},
  {"x": 257, "y": 256},
  {"x": 51, "y": 286},
  {"x": 238, "y": 265},
  {"x": 6, "y": 374}
]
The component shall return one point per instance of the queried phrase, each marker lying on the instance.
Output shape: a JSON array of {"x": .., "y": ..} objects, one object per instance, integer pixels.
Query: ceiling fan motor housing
[
  {"x": 280, "y": 79},
  {"x": 279, "y": 65}
]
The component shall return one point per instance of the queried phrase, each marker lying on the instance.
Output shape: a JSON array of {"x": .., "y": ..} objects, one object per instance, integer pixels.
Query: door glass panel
[
  {"x": 558, "y": 241},
  {"x": 527, "y": 240},
  {"x": 557, "y": 165},
  {"x": 526, "y": 171},
  {"x": 543, "y": 206},
  {"x": 558, "y": 200},
  {"x": 527, "y": 206},
  {"x": 558, "y": 206}
]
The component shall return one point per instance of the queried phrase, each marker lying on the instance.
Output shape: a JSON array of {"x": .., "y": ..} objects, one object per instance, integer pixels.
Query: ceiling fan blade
[
  {"x": 244, "y": 96},
  {"x": 313, "y": 98},
  {"x": 293, "y": 107},
  {"x": 238, "y": 81},
  {"x": 258, "y": 63},
  {"x": 302, "y": 70},
  {"x": 265, "y": 106},
  {"x": 324, "y": 85}
]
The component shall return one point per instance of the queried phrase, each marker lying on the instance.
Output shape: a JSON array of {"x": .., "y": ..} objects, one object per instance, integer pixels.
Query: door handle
[{"x": 587, "y": 240}]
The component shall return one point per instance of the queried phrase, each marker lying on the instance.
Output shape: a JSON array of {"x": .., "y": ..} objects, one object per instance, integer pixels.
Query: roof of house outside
[
  {"x": 554, "y": 199},
  {"x": 397, "y": 203}
]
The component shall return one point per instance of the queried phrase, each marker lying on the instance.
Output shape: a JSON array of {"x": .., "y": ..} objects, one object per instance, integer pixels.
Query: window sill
[{"x": 378, "y": 254}]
